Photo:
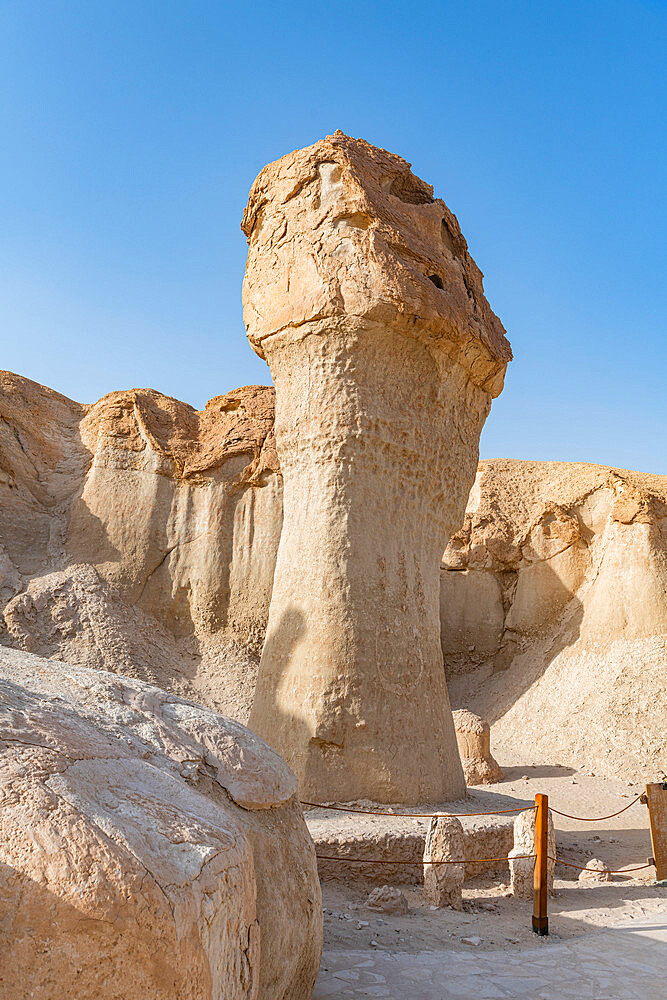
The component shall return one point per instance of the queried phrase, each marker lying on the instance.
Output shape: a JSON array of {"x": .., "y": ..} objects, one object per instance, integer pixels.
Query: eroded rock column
[{"x": 362, "y": 297}]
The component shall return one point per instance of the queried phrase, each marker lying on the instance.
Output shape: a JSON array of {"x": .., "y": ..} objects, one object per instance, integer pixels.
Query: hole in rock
[
  {"x": 359, "y": 220},
  {"x": 436, "y": 279},
  {"x": 411, "y": 189}
]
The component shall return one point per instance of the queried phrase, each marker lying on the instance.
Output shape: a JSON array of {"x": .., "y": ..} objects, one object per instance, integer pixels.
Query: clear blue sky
[{"x": 131, "y": 132}]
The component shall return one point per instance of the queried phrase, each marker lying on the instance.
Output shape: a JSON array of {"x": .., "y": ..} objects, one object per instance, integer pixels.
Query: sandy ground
[{"x": 490, "y": 913}]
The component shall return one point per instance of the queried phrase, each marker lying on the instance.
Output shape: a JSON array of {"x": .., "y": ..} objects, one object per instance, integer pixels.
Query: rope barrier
[
  {"x": 595, "y": 819},
  {"x": 606, "y": 871},
  {"x": 494, "y": 812},
  {"x": 376, "y": 812},
  {"x": 478, "y": 861},
  {"x": 390, "y": 861}
]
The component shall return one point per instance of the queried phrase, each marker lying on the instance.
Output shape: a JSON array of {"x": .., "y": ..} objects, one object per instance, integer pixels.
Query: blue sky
[{"x": 132, "y": 131}]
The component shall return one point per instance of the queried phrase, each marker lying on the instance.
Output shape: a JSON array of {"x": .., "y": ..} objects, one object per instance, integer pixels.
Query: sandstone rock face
[
  {"x": 139, "y": 535},
  {"x": 145, "y": 840},
  {"x": 559, "y": 635},
  {"x": 102, "y": 564},
  {"x": 522, "y": 869},
  {"x": 473, "y": 736},
  {"x": 443, "y": 883},
  {"x": 362, "y": 297}
]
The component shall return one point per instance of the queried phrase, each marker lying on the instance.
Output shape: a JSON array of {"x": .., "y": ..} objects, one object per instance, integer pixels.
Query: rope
[
  {"x": 390, "y": 861},
  {"x": 596, "y": 819},
  {"x": 494, "y": 812},
  {"x": 606, "y": 871},
  {"x": 431, "y": 815}
]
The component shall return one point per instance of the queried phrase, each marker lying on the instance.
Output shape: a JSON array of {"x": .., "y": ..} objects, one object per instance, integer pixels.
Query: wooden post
[
  {"x": 656, "y": 800},
  {"x": 540, "y": 885}
]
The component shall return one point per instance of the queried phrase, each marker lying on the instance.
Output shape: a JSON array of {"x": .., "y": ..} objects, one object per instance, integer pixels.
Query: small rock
[
  {"x": 595, "y": 871},
  {"x": 361, "y": 923},
  {"x": 474, "y": 941},
  {"x": 387, "y": 899}
]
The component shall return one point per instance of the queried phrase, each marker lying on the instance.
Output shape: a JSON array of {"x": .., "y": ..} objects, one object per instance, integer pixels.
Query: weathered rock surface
[
  {"x": 443, "y": 879},
  {"x": 473, "y": 736},
  {"x": 138, "y": 535},
  {"x": 361, "y": 295},
  {"x": 561, "y": 616},
  {"x": 522, "y": 868},
  {"x": 147, "y": 841}
]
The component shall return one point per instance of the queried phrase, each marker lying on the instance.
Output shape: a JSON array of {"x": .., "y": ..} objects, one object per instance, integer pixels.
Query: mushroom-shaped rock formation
[
  {"x": 148, "y": 847},
  {"x": 362, "y": 297}
]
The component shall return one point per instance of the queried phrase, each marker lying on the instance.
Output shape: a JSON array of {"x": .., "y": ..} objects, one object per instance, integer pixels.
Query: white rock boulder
[
  {"x": 148, "y": 847},
  {"x": 595, "y": 871}
]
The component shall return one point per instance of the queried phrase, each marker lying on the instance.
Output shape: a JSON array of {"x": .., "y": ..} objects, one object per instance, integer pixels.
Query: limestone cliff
[
  {"x": 554, "y": 612},
  {"x": 139, "y": 536}
]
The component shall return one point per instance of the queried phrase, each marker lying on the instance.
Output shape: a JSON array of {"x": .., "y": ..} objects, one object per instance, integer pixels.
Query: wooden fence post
[
  {"x": 540, "y": 885},
  {"x": 656, "y": 800}
]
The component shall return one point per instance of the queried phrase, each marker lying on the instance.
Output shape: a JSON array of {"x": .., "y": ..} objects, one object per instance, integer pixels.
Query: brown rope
[
  {"x": 390, "y": 861},
  {"x": 605, "y": 871},
  {"x": 596, "y": 819},
  {"x": 374, "y": 812},
  {"x": 494, "y": 812}
]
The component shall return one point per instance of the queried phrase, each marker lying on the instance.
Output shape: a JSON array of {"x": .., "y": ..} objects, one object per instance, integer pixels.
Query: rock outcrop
[
  {"x": 149, "y": 841},
  {"x": 138, "y": 535},
  {"x": 361, "y": 295},
  {"x": 552, "y": 594},
  {"x": 557, "y": 633}
]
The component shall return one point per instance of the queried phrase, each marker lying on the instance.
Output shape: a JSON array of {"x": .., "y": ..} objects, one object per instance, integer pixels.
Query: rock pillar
[{"x": 362, "y": 297}]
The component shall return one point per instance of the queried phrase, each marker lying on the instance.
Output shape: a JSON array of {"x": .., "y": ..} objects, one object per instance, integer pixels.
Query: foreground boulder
[{"x": 148, "y": 847}]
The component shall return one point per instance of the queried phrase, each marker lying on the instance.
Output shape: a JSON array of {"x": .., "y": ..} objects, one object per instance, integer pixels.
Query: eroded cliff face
[
  {"x": 140, "y": 536},
  {"x": 554, "y": 612}
]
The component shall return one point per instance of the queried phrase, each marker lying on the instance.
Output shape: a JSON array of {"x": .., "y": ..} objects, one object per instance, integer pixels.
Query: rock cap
[{"x": 343, "y": 229}]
